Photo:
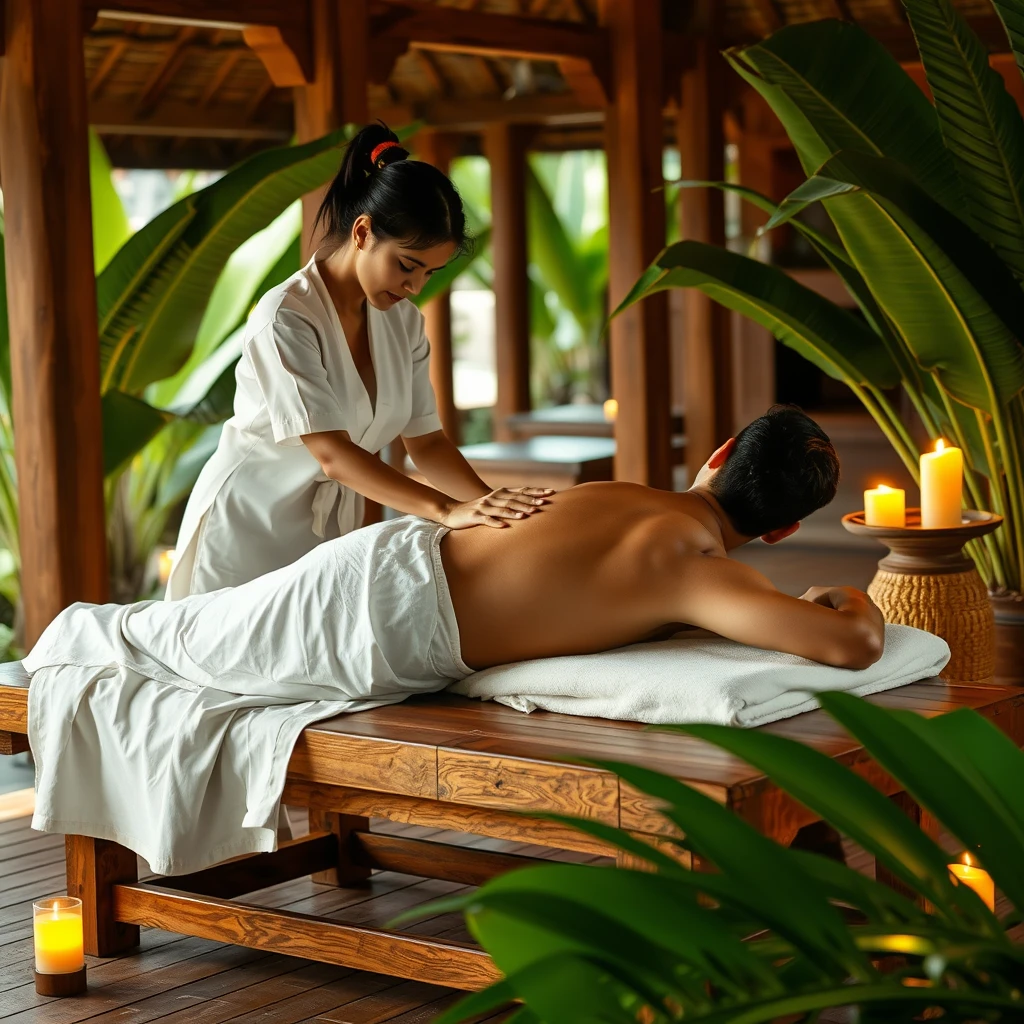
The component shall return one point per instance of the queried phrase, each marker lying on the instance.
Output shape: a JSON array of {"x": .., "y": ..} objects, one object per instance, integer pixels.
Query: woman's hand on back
[{"x": 497, "y": 508}]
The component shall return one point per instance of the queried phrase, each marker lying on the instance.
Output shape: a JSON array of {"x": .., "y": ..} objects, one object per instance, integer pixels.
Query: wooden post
[
  {"x": 337, "y": 94},
  {"x": 639, "y": 338},
  {"x": 439, "y": 149},
  {"x": 51, "y": 290},
  {"x": 707, "y": 343},
  {"x": 506, "y": 150},
  {"x": 345, "y": 871},
  {"x": 94, "y": 867}
]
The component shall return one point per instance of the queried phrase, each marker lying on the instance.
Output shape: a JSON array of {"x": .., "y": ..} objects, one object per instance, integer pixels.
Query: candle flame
[
  {"x": 884, "y": 488},
  {"x": 966, "y": 859},
  {"x": 940, "y": 445}
]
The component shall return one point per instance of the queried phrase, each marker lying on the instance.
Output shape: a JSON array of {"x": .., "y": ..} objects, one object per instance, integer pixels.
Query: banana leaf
[
  {"x": 110, "y": 227},
  {"x": 855, "y": 95},
  {"x": 150, "y": 335},
  {"x": 980, "y": 122},
  {"x": 1011, "y": 14},
  {"x": 955, "y": 303},
  {"x": 129, "y": 424},
  {"x": 831, "y": 338}
]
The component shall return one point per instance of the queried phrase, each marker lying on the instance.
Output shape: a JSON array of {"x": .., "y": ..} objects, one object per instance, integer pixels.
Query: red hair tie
[{"x": 377, "y": 150}]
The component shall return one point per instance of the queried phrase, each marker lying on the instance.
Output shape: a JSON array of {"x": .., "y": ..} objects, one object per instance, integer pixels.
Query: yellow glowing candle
[
  {"x": 942, "y": 485},
  {"x": 611, "y": 410},
  {"x": 885, "y": 506},
  {"x": 57, "y": 928},
  {"x": 166, "y": 563},
  {"x": 977, "y": 878}
]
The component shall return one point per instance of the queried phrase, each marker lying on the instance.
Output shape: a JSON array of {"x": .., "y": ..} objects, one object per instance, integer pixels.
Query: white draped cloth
[{"x": 167, "y": 726}]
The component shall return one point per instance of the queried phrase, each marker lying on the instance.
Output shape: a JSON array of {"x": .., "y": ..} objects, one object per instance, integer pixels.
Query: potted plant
[{"x": 927, "y": 201}]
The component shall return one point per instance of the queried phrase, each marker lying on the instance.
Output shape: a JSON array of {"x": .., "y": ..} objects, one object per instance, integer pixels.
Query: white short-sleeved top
[{"x": 262, "y": 500}]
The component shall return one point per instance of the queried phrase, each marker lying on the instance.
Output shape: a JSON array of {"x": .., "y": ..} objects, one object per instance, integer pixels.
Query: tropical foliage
[
  {"x": 927, "y": 202},
  {"x": 769, "y": 933},
  {"x": 171, "y": 300}
]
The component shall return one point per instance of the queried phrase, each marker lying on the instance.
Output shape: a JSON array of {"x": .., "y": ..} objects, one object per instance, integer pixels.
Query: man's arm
[{"x": 835, "y": 626}]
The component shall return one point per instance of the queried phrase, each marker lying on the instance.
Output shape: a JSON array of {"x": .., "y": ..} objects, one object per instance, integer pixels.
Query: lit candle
[
  {"x": 885, "y": 506},
  {"x": 166, "y": 563},
  {"x": 611, "y": 410},
  {"x": 976, "y": 878},
  {"x": 57, "y": 929},
  {"x": 942, "y": 485}
]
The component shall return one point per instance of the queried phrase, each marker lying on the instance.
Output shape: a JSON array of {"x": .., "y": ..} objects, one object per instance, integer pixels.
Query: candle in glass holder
[
  {"x": 611, "y": 410},
  {"x": 885, "y": 506},
  {"x": 57, "y": 929},
  {"x": 977, "y": 879},
  {"x": 942, "y": 484}
]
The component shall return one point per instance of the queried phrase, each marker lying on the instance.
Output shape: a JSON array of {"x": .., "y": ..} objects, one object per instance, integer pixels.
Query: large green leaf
[
  {"x": 933, "y": 773},
  {"x": 849, "y": 802},
  {"x": 855, "y": 96},
  {"x": 830, "y": 337},
  {"x": 980, "y": 122},
  {"x": 954, "y": 302},
  {"x": 1011, "y": 13},
  {"x": 153, "y": 331},
  {"x": 110, "y": 227},
  {"x": 128, "y": 425}
]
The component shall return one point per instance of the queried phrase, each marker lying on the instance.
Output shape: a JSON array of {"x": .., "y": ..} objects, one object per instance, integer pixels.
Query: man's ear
[
  {"x": 776, "y": 535},
  {"x": 722, "y": 453}
]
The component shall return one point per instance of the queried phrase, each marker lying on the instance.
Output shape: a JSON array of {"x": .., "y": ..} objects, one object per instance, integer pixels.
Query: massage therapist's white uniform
[{"x": 262, "y": 501}]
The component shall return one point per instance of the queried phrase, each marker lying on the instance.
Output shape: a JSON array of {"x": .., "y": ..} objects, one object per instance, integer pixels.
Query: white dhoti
[{"x": 167, "y": 726}]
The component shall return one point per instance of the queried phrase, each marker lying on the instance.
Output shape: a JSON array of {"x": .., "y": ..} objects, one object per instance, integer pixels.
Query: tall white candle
[{"x": 942, "y": 484}]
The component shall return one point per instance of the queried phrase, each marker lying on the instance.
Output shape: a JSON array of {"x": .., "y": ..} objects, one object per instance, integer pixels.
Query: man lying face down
[{"x": 609, "y": 564}]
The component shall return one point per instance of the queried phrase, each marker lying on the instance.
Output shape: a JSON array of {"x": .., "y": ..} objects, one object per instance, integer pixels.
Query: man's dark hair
[{"x": 782, "y": 469}]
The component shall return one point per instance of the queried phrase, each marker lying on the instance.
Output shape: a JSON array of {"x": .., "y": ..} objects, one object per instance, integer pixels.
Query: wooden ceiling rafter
[
  {"x": 111, "y": 59},
  {"x": 491, "y": 71},
  {"x": 771, "y": 14},
  {"x": 176, "y": 52},
  {"x": 220, "y": 76},
  {"x": 428, "y": 64}
]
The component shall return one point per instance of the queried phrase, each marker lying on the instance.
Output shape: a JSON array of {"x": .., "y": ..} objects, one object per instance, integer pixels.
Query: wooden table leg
[
  {"x": 347, "y": 872},
  {"x": 93, "y": 868}
]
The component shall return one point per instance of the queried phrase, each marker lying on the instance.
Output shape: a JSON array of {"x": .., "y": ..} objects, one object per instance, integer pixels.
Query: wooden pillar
[
  {"x": 337, "y": 94},
  {"x": 51, "y": 290},
  {"x": 634, "y": 129},
  {"x": 439, "y": 149},
  {"x": 506, "y": 146},
  {"x": 707, "y": 345}
]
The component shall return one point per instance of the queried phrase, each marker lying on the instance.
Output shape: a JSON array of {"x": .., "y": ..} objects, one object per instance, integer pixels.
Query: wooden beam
[
  {"x": 439, "y": 149},
  {"x": 170, "y": 117},
  {"x": 220, "y": 76},
  {"x": 639, "y": 337},
  {"x": 505, "y": 146},
  {"x": 706, "y": 343},
  {"x": 337, "y": 94},
  {"x": 286, "y": 53},
  {"x": 428, "y": 25},
  {"x": 770, "y": 14},
  {"x": 51, "y": 289},
  {"x": 218, "y": 13},
  {"x": 110, "y": 60}
]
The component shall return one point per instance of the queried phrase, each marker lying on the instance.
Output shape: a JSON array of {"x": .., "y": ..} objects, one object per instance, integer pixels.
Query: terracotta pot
[{"x": 1009, "y": 613}]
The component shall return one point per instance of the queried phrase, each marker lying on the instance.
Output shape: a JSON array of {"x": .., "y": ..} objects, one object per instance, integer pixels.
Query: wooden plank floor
[{"x": 178, "y": 980}]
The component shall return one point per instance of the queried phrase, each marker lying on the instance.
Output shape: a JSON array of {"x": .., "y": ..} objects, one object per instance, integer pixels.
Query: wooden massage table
[{"x": 455, "y": 764}]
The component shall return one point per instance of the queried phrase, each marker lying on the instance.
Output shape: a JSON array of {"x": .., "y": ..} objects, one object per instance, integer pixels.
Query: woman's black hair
[{"x": 405, "y": 199}]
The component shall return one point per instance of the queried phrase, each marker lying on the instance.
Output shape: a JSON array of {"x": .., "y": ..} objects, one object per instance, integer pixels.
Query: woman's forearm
[
  {"x": 358, "y": 469},
  {"x": 446, "y": 467}
]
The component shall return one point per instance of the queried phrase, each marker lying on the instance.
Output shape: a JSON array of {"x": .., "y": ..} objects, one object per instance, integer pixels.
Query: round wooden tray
[{"x": 918, "y": 551}]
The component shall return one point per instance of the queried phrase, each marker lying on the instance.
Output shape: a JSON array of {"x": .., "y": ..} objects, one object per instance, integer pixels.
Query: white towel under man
[{"x": 168, "y": 726}]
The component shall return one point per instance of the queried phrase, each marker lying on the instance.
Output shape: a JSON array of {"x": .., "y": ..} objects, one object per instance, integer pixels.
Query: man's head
[{"x": 777, "y": 470}]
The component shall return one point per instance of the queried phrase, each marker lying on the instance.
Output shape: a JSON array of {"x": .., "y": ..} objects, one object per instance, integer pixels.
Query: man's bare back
[{"x": 608, "y": 564}]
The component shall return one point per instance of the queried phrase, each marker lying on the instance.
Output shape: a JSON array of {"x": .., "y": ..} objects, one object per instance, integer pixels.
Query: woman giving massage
[{"x": 335, "y": 366}]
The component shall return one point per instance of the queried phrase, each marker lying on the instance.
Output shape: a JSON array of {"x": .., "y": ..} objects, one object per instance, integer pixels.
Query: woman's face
[{"x": 389, "y": 271}]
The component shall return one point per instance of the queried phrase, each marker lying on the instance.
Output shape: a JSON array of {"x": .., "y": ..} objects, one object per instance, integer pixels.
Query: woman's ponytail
[{"x": 404, "y": 198}]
